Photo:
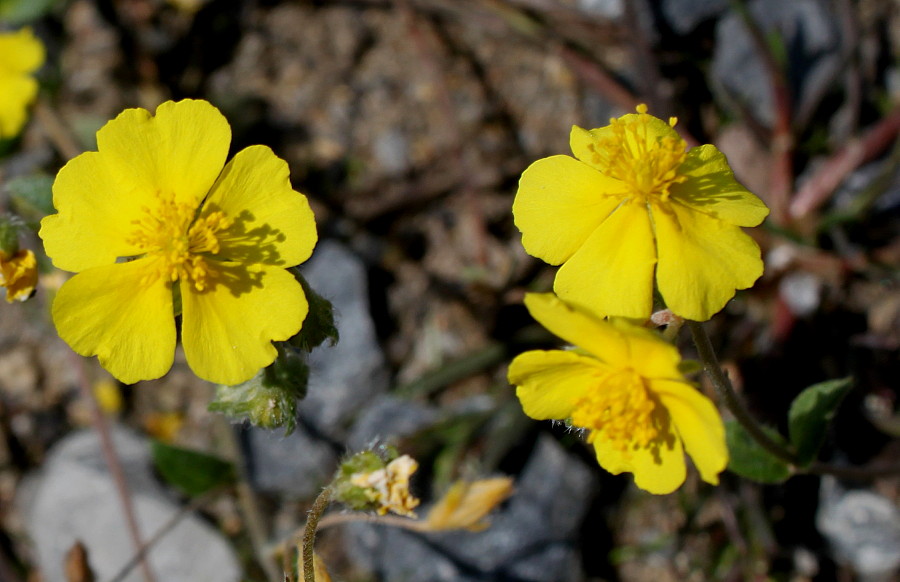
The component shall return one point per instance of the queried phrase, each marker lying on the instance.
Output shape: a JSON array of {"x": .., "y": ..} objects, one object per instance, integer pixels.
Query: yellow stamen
[
  {"x": 646, "y": 164},
  {"x": 183, "y": 243},
  {"x": 619, "y": 410}
]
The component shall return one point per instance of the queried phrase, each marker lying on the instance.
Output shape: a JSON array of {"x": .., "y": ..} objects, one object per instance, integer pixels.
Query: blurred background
[{"x": 407, "y": 123}]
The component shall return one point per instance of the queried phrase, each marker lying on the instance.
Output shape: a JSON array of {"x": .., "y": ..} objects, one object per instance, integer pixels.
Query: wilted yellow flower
[
  {"x": 388, "y": 488},
  {"x": 21, "y": 54},
  {"x": 467, "y": 504},
  {"x": 19, "y": 274},
  {"x": 623, "y": 384},
  {"x": 154, "y": 227},
  {"x": 633, "y": 207}
]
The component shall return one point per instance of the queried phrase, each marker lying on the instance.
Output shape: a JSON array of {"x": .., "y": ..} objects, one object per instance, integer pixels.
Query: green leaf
[
  {"x": 749, "y": 459},
  {"x": 810, "y": 414},
  {"x": 31, "y": 196},
  {"x": 192, "y": 472},
  {"x": 318, "y": 327}
]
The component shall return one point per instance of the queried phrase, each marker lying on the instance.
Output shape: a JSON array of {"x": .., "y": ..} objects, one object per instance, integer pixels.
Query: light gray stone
[
  {"x": 74, "y": 499},
  {"x": 863, "y": 527},
  {"x": 297, "y": 465},
  {"x": 343, "y": 378},
  {"x": 388, "y": 417}
]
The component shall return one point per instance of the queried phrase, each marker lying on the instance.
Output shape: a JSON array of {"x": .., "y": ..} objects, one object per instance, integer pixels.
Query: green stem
[
  {"x": 309, "y": 533},
  {"x": 729, "y": 396}
]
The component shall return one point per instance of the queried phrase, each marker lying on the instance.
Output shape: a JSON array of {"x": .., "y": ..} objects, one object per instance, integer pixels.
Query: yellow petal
[
  {"x": 110, "y": 312},
  {"x": 550, "y": 383},
  {"x": 577, "y": 327},
  {"x": 612, "y": 274},
  {"x": 273, "y": 224},
  {"x": 647, "y": 353},
  {"x": 228, "y": 329},
  {"x": 711, "y": 188},
  {"x": 20, "y": 52},
  {"x": 698, "y": 424},
  {"x": 180, "y": 151},
  {"x": 702, "y": 261},
  {"x": 659, "y": 469},
  {"x": 559, "y": 203},
  {"x": 95, "y": 209},
  {"x": 582, "y": 141}
]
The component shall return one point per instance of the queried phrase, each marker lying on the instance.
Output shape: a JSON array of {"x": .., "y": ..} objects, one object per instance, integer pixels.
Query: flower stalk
[
  {"x": 309, "y": 533},
  {"x": 730, "y": 398}
]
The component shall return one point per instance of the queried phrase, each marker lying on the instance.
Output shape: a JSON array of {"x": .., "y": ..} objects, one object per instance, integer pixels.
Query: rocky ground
[{"x": 407, "y": 124}]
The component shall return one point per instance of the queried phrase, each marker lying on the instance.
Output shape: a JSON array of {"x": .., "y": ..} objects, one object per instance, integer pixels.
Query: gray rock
[
  {"x": 297, "y": 465},
  {"x": 685, "y": 15},
  {"x": 528, "y": 540},
  {"x": 344, "y": 377},
  {"x": 811, "y": 38},
  {"x": 863, "y": 527},
  {"x": 74, "y": 499},
  {"x": 387, "y": 417},
  {"x": 612, "y": 9}
]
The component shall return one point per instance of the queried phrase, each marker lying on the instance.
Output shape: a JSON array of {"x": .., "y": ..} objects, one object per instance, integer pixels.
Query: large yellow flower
[
  {"x": 154, "y": 226},
  {"x": 20, "y": 55},
  {"x": 623, "y": 384},
  {"x": 635, "y": 207}
]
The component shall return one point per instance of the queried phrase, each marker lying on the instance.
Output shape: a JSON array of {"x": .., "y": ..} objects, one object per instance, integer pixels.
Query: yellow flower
[
  {"x": 623, "y": 384},
  {"x": 635, "y": 207},
  {"x": 19, "y": 274},
  {"x": 154, "y": 226},
  {"x": 20, "y": 55}
]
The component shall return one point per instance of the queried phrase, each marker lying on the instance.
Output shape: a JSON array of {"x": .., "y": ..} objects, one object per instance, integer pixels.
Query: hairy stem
[
  {"x": 729, "y": 396},
  {"x": 309, "y": 533}
]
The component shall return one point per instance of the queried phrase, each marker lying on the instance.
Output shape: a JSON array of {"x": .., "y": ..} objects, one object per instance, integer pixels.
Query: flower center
[
  {"x": 180, "y": 240},
  {"x": 620, "y": 410},
  {"x": 646, "y": 164}
]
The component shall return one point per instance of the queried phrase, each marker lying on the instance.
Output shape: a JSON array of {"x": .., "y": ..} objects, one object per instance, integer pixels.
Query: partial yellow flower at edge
[
  {"x": 19, "y": 274},
  {"x": 634, "y": 208},
  {"x": 623, "y": 385},
  {"x": 21, "y": 54},
  {"x": 156, "y": 216}
]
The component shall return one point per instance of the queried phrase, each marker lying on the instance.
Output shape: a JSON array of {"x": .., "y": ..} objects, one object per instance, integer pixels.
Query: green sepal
[
  {"x": 810, "y": 414},
  {"x": 354, "y": 496},
  {"x": 289, "y": 371},
  {"x": 192, "y": 472},
  {"x": 268, "y": 399},
  {"x": 749, "y": 459},
  {"x": 319, "y": 323}
]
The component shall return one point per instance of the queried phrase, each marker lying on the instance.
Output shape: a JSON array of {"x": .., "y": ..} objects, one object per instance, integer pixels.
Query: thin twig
[
  {"x": 822, "y": 184},
  {"x": 247, "y": 501},
  {"x": 782, "y": 139},
  {"x": 56, "y": 130},
  {"x": 189, "y": 508},
  {"x": 108, "y": 449},
  {"x": 309, "y": 533},
  {"x": 389, "y": 520},
  {"x": 729, "y": 396}
]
